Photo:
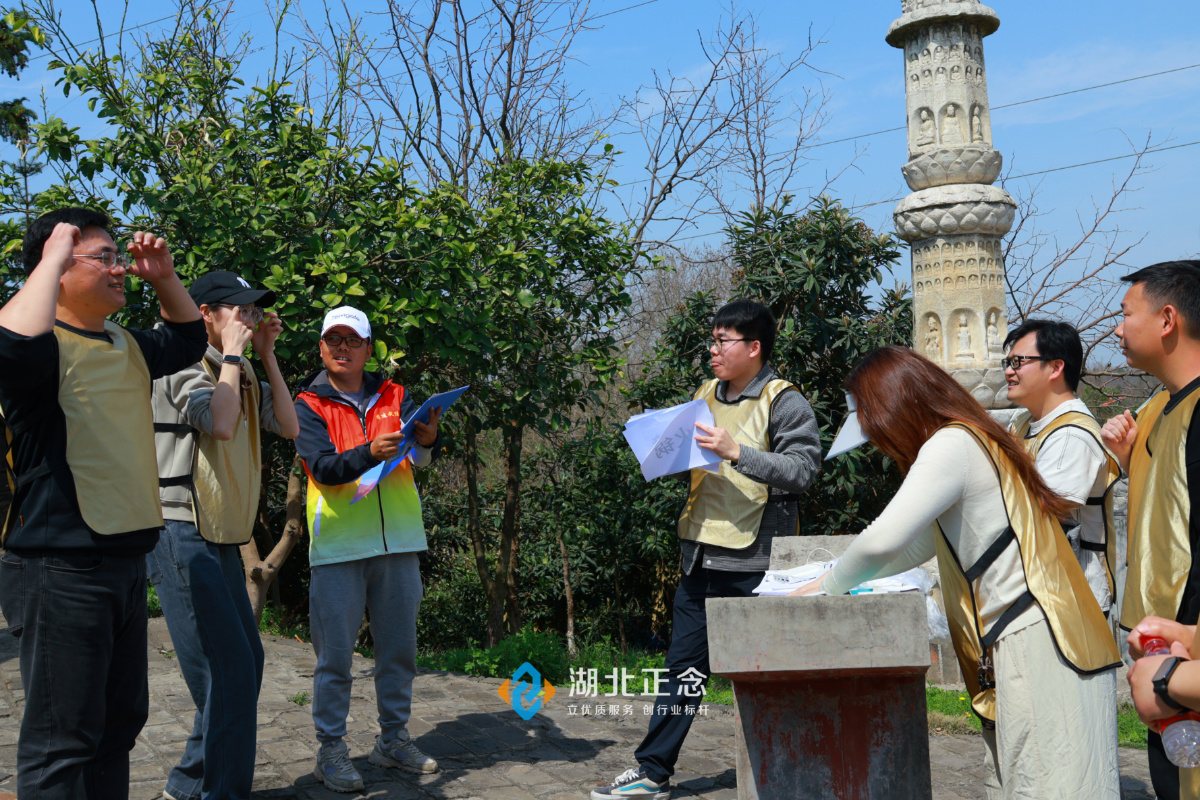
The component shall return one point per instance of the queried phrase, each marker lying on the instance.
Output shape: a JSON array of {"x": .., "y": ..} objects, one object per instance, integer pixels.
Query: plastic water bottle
[{"x": 1181, "y": 733}]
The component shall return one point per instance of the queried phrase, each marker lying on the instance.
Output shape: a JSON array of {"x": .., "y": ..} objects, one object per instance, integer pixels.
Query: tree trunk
[
  {"x": 493, "y": 589},
  {"x": 262, "y": 573},
  {"x": 510, "y": 526},
  {"x": 621, "y": 614},
  {"x": 570, "y": 595}
]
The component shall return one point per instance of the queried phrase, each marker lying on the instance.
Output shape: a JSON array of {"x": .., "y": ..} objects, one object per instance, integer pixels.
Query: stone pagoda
[{"x": 954, "y": 219}]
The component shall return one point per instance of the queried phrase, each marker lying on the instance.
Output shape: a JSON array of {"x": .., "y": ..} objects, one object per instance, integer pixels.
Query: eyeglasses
[
  {"x": 1016, "y": 362},
  {"x": 251, "y": 314},
  {"x": 720, "y": 344},
  {"x": 108, "y": 259},
  {"x": 334, "y": 340}
]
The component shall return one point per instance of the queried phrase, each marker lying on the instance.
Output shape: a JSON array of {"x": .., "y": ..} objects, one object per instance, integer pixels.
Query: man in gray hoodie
[
  {"x": 770, "y": 449},
  {"x": 207, "y": 420}
]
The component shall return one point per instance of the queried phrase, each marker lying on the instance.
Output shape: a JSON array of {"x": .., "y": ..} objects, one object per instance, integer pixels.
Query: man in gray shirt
[{"x": 770, "y": 444}]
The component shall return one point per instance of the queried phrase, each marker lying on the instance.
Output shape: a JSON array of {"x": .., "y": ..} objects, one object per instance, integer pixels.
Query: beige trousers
[{"x": 1056, "y": 730}]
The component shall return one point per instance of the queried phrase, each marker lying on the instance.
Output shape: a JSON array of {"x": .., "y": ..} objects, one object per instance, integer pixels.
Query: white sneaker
[
  {"x": 401, "y": 753},
  {"x": 335, "y": 770}
]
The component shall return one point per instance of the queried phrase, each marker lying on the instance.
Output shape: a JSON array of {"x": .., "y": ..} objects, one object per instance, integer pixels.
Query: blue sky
[{"x": 1041, "y": 48}]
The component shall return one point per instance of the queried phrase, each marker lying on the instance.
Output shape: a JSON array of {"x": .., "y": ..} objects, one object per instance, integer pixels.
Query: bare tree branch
[{"x": 1077, "y": 280}]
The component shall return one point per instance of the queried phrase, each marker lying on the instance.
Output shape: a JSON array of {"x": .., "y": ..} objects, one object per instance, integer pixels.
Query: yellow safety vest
[
  {"x": 227, "y": 476},
  {"x": 724, "y": 508},
  {"x": 1159, "y": 553},
  {"x": 1088, "y": 424},
  {"x": 104, "y": 391},
  {"x": 1054, "y": 579}
]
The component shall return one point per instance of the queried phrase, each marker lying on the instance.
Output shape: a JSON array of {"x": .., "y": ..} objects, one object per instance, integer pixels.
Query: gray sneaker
[
  {"x": 401, "y": 753},
  {"x": 633, "y": 783},
  {"x": 335, "y": 770}
]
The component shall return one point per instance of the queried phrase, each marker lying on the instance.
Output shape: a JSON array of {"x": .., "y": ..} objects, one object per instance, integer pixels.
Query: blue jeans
[
  {"x": 670, "y": 724},
  {"x": 390, "y": 586},
  {"x": 202, "y": 590},
  {"x": 81, "y": 622}
]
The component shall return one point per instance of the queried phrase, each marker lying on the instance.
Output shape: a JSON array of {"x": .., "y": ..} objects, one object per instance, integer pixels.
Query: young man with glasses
[
  {"x": 1045, "y": 360},
  {"x": 364, "y": 553},
  {"x": 75, "y": 389},
  {"x": 1160, "y": 449},
  {"x": 768, "y": 438},
  {"x": 207, "y": 420}
]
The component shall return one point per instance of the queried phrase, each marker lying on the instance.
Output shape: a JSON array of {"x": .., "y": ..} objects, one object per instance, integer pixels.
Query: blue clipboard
[
  {"x": 369, "y": 479},
  {"x": 440, "y": 402}
]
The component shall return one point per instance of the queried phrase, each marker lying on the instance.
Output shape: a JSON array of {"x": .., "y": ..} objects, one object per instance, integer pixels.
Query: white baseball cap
[
  {"x": 851, "y": 435},
  {"x": 350, "y": 317}
]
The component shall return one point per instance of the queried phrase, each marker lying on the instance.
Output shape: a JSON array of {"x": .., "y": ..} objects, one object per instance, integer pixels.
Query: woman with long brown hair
[{"x": 1034, "y": 647}]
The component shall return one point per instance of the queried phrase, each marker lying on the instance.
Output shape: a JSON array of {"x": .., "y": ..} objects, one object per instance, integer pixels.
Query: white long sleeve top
[{"x": 953, "y": 482}]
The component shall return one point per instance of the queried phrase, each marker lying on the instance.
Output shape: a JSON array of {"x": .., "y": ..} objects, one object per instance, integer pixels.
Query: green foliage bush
[
  {"x": 153, "y": 607},
  {"x": 451, "y": 612},
  {"x": 543, "y": 649}
]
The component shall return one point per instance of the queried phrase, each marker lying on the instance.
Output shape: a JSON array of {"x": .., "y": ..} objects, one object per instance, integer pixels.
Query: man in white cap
[{"x": 365, "y": 531}]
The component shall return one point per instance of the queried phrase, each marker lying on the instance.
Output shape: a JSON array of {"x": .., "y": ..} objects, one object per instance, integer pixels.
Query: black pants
[
  {"x": 687, "y": 666},
  {"x": 1163, "y": 774},
  {"x": 81, "y": 621}
]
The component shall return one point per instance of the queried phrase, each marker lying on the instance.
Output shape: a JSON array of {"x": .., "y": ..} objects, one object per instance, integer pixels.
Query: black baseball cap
[{"x": 223, "y": 286}]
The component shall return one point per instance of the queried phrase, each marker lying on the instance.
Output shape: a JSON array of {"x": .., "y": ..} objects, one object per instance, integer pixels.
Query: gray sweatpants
[{"x": 390, "y": 586}]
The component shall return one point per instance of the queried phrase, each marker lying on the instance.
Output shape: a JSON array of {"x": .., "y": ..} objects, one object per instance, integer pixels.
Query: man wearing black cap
[{"x": 206, "y": 423}]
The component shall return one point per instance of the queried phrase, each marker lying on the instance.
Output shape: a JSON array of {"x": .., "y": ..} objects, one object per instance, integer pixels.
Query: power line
[
  {"x": 1098, "y": 86},
  {"x": 620, "y": 10},
  {"x": 994, "y": 108},
  {"x": 1053, "y": 169},
  {"x": 1103, "y": 160},
  {"x": 900, "y": 197},
  {"x": 1025, "y": 102},
  {"x": 102, "y": 38},
  {"x": 585, "y": 21}
]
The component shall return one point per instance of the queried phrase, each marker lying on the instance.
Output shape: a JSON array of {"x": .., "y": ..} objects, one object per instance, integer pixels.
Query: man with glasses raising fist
[
  {"x": 1045, "y": 359},
  {"x": 207, "y": 423},
  {"x": 75, "y": 392},
  {"x": 363, "y": 543},
  {"x": 770, "y": 444}
]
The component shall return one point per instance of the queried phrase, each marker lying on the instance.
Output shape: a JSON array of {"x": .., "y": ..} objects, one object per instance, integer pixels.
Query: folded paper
[{"x": 664, "y": 440}]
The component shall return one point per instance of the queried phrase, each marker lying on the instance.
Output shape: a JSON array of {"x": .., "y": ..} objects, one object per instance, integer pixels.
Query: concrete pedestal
[
  {"x": 829, "y": 694},
  {"x": 796, "y": 551}
]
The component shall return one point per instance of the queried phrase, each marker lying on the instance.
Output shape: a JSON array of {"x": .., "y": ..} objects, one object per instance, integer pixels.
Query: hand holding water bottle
[
  {"x": 1180, "y": 728},
  {"x": 1160, "y": 628}
]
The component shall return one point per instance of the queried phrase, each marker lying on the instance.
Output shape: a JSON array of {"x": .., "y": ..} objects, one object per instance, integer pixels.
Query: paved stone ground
[{"x": 485, "y": 750}]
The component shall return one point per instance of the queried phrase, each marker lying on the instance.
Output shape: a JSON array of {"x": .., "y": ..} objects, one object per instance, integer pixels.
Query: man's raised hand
[
  {"x": 60, "y": 245},
  {"x": 235, "y": 337},
  {"x": 1119, "y": 434},
  {"x": 268, "y": 331},
  {"x": 152, "y": 259}
]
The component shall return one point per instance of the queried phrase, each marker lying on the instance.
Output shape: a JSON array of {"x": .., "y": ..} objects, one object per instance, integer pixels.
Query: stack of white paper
[
  {"x": 785, "y": 581},
  {"x": 779, "y": 582},
  {"x": 664, "y": 441}
]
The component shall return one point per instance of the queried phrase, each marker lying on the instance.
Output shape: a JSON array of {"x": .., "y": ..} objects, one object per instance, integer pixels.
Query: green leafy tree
[
  {"x": 514, "y": 293},
  {"x": 602, "y": 555},
  {"x": 17, "y": 35},
  {"x": 552, "y": 277}
]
